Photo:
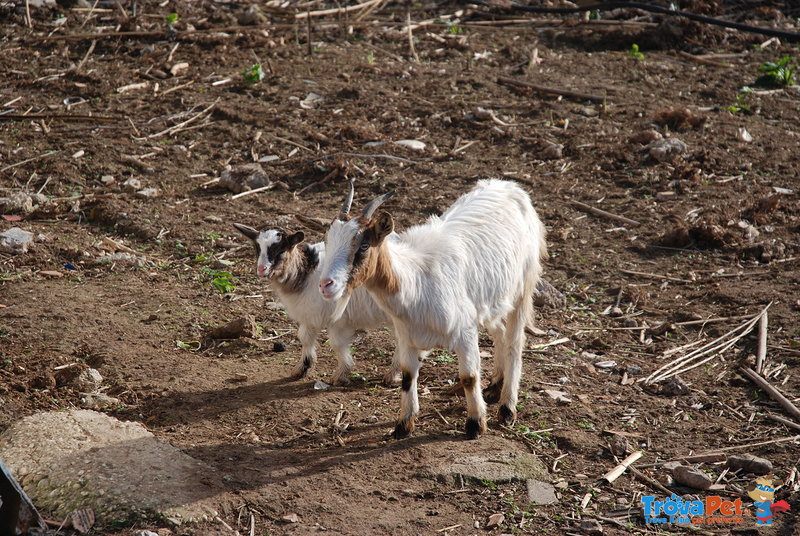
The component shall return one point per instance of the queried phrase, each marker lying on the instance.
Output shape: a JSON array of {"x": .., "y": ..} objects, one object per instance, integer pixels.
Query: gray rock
[
  {"x": 88, "y": 380},
  {"x": 506, "y": 464},
  {"x": 132, "y": 185},
  {"x": 76, "y": 459},
  {"x": 148, "y": 193},
  {"x": 15, "y": 240},
  {"x": 548, "y": 296},
  {"x": 98, "y": 401},
  {"x": 243, "y": 178},
  {"x": 666, "y": 150},
  {"x": 541, "y": 492}
]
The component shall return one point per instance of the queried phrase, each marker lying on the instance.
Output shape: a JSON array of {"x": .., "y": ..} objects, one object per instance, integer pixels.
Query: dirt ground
[{"x": 718, "y": 236}]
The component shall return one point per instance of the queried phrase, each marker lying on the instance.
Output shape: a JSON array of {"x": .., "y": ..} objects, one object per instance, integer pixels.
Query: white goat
[
  {"x": 293, "y": 269},
  {"x": 475, "y": 266}
]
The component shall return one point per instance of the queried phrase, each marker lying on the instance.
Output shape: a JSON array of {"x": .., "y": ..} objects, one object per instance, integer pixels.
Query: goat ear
[
  {"x": 312, "y": 223},
  {"x": 294, "y": 239},
  {"x": 249, "y": 232},
  {"x": 382, "y": 226}
]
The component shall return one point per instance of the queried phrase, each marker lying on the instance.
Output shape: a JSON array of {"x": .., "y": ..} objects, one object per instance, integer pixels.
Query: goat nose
[
  {"x": 325, "y": 283},
  {"x": 262, "y": 270}
]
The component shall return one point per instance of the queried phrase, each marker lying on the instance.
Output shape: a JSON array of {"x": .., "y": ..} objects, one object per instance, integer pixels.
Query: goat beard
[{"x": 341, "y": 305}]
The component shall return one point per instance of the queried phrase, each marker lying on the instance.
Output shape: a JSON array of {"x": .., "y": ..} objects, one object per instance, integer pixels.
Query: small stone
[
  {"x": 278, "y": 346},
  {"x": 495, "y": 520},
  {"x": 558, "y": 396},
  {"x": 541, "y": 492},
  {"x": 750, "y": 463},
  {"x": 744, "y": 136},
  {"x": 615, "y": 312},
  {"x": 667, "y": 149},
  {"x": 633, "y": 370},
  {"x": 145, "y": 533},
  {"x": 591, "y": 527},
  {"x": 666, "y": 195},
  {"x": 311, "y": 101},
  {"x": 148, "y": 193},
  {"x": 51, "y": 273},
  {"x": 691, "y": 477},
  {"x": 414, "y": 145},
  {"x": 98, "y": 401},
  {"x": 553, "y": 151},
  {"x": 213, "y": 219},
  {"x": 178, "y": 68},
  {"x": 645, "y": 137},
  {"x": 15, "y": 240},
  {"x": 108, "y": 180},
  {"x": 630, "y": 323},
  {"x": 674, "y": 387},
  {"x": 290, "y": 518},
  {"x": 320, "y": 385},
  {"x": 132, "y": 185},
  {"x": 88, "y": 380},
  {"x": 239, "y": 377}
]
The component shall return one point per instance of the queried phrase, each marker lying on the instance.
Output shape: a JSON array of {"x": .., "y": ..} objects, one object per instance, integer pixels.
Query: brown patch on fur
[
  {"x": 468, "y": 382},
  {"x": 295, "y": 266},
  {"x": 376, "y": 272}
]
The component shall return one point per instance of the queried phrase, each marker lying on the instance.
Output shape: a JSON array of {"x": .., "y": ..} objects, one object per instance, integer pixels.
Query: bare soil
[{"x": 715, "y": 239}]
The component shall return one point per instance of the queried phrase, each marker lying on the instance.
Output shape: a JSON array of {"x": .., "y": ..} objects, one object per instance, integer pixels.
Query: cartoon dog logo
[{"x": 762, "y": 491}]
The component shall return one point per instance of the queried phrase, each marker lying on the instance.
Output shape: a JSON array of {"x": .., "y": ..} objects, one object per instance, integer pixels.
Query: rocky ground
[{"x": 116, "y": 129}]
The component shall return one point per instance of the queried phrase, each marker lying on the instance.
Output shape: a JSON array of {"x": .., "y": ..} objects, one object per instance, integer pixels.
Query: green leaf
[{"x": 192, "y": 346}]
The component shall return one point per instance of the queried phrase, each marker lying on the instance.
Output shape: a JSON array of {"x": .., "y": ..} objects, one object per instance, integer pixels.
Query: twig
[
  {"x": 290, "y": 142},
  {"x": 411, "y": 48},
  {"x": 650, "y": 481},
  {"x": 45, "y": 155},
  {"x": 742, "y": 446},
  {"x": 451, "y": 527},
  {"x": 251, "y": 192},
  {"x": 131, "y": 87},
  {"x": 702, "y": 60},
  {"x": 176, "y": 88},
  {"x": 785, "y": 422},
  {"x": 175, "y": 128},
  {"x": 617, "y": 471},
  {"x": 773, "y": 393},
  {"x": 603, "y": 213},
  {"x": 655, "y": 276},
  {"x": 86, "y": 56},
  {"x": 711, "y": 320},
  {"x": 28, "y": 21},
  {"x": 550, "y": 90},
  {"x": 762, "y": 344},
  {"x": 714, "y": 348},
  {"x": 89, "y": 15},
  {"x": 333, "y": 11},
  {"x": 363, "y": 155}
]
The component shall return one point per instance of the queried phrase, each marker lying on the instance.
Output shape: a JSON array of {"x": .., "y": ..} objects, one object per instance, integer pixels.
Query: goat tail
[{"x": 533, "y": 273}]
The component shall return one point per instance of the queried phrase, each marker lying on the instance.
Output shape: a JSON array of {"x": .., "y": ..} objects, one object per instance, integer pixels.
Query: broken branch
[
  {"x": 603, "y": 213},
  {"x": 617, "y": 471},
  {"x": 773, "y": 393},
  {"x": 551, "y": 90}
]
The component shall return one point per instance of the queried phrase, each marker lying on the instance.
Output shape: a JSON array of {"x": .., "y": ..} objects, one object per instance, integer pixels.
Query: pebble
[{"x": 278, "y": 346}]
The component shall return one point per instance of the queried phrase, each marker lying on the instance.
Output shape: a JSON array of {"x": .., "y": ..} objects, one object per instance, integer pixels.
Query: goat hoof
[
  {"x": 341, "y": 381},
  {"x": 391, "y": 379},
  {"x": 403, "y": 430},
  {"x": 475, "y": 427},
  {"x": 507, "y": 416},
  {"x": 299, "y": 373},
  {"x": 491, "y": 395}
]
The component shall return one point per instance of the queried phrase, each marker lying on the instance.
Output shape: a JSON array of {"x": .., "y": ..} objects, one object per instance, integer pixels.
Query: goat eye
[{"x": 364, "y": 246}]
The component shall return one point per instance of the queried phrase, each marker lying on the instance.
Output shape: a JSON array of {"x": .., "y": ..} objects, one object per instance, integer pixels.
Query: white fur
[
  {"x": 313, "y": 314},
  {"x": 474, "y": 267}
]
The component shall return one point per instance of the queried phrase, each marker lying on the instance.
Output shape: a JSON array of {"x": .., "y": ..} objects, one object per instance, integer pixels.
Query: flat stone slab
[
  {"x": 502, "y": 461},
  {"x": 541, "y": 492},
  {"x": 75, "y": 459}
]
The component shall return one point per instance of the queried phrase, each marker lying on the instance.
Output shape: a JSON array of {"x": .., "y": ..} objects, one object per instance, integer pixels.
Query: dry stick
[
  {"x": 251, "y": 192},
  {"x": 290, "y": 142},
  {"x": 45, "y": 155},
  {"x": 411, "y": 48},
  {"x": 550, "y": 90},
  {"x": 742, "y": 446},
  {"x": 28, "y": 21},
  {"x": 773, "y": 393},
  {"x": 785, "y": 422},
  {"x": 603, "y": 213},
  {"x": 59, "y": 117},
  {"x": 176, "y": 88},
  {"x": 655, "y": 276},
  {"x": 650, "y": 481},
  {"x": 175, "y": 128},
  {"x": 704, "y": 61},
  {"x": 362, "y": 155},
  {"x": 712, "y": 320},
  {"x": 718, "y": 345},
  {"x": 334, "y": 11},
  {"x": 762, "y": 344},
  {"x": 86, "y": 56},
  {"x": 89, "y": 15},
  {"x": 617, "y": 471}
]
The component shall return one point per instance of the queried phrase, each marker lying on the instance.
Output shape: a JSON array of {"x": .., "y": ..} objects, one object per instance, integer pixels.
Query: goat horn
[
  {"x": 348, "y": 201},
  {"x": 373, "y": 205}
]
